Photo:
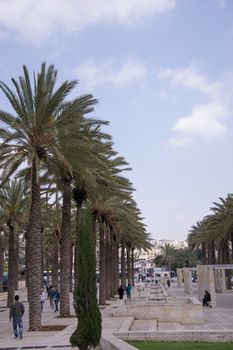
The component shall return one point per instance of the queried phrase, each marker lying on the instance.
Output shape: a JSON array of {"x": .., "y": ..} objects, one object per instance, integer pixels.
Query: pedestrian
[
  {"x": 16, "y": 313},
  {"x": 168, "y": 283},
  {"x": 56, "y": 299},
  {"x": 128, "y": 291},
  {"x": 206, "y": 299},
  {"x": 42, "y": 300},
  {"x": 121, "y": 292},
  {"x": 50, "y": 296}
]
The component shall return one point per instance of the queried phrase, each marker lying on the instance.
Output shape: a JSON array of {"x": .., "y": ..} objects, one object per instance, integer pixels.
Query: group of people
[
  {"x": 17, "y": 309},
  {"x": 121, "y": 291},
  {"x": 54, "y": 297}
]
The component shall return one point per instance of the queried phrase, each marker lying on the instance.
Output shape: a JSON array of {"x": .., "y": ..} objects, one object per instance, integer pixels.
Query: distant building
[{"x": 156, "y": 250}]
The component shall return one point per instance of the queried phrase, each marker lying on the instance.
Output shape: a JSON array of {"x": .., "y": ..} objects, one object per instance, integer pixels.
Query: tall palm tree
[
  {"x": 13, "y": 204},
  {"x": 37, "y": 133}
]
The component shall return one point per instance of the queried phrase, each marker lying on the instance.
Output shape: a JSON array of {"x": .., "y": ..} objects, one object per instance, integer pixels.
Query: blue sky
[{"x": 162, "y": 71}]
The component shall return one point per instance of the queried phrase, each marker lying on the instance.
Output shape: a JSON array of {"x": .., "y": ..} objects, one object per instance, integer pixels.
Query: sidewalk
[
  {"x": 217, "y": 322},
  {"x": 38, "y": 339}
]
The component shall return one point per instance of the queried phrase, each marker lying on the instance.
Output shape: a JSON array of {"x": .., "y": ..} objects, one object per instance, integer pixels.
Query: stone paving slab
[
  {"x": 164, "y": 326},
  {"x": 144, "y": 325},
  {"x": 116, "y": 323}
]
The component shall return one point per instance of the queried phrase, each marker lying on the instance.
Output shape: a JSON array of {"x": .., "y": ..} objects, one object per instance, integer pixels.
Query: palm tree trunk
[
  {"x": 223, "y": 255},
  {"x": 79, "y": 196},
  {"x": 123, "y": 264},
  {"x": 111, "y": 249},
  {"x": 1, "y": 260},
  {"x": 71, "y": 267},
  {"x": 34, "y": 251},
  {"x": 26, "y": 259},
  {"x": 232, "y": 246},
  {"x": 213, "y": 257},
  {"x": 203, "y": 250},
  {"x": 102, "y": 266},
  {"x": 116, "y": 278},
  {"x": 107, "y": 264},
  {"x": 42, "y": 260},
  {"x": 55, "y": 260},
  {"x": 227, "y": 255},
  {"x": 65, "y": 249},
  {"x": 47, "y": 264},
  {"x": 208, "y": 253},
  {"x": 132, "y": 265},
  {"x": 16, "y": 263},
  {"x": 128, "y": 265},
  {"x": 11, "y": 266},
  {"x": 219, "y": 255}
]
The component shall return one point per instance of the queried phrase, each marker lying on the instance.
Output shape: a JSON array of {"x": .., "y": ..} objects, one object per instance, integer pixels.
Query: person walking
[
  {"x": 16, "y": 313},
  {"x": 121, "y": 292},
  {"x": 42, "y": 300},
  {"x": 56, "y": 299},
  {"x": 128, "y": 291},
  {"x": 207, "y": 299},
  {"x": 50, "y": 296}
]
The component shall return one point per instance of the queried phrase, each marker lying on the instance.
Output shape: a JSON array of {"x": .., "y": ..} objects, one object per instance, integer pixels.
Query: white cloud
[
  {"x": 191, "y": 78},
  {"x": 92, "y": 74},
  {"x": 206, "y": 119},
  {"x": 36, "y": 21}
]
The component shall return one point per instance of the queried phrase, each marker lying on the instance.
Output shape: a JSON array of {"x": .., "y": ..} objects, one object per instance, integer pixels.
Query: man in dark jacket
[
  {"x": 16, "y": 313},
  {"x": 206, "y": 299},
  {"x": 121, "y": 292},
  {"x": 56, "y": 299}
]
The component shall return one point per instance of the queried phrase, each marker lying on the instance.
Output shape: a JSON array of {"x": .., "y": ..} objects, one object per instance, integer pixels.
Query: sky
[{"x": 162, "y": 71}]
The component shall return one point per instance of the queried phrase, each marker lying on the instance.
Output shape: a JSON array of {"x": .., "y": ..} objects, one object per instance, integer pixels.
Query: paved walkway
[
  {"x": 215, "y": 319},
  {"x": 41, "y": 339},
  {"x": 219, "y": 318}
]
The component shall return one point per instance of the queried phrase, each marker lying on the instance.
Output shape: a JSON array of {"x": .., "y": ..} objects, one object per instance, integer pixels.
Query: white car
[{"x": 149, "y": 279}]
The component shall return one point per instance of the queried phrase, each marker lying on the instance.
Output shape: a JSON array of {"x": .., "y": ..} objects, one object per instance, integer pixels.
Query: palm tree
[
  {"x": 185, "y": 257},
  {"x": 214, "y": 234},
  {"x": 37, "y": 133},
  {"x": 167, "y": 255},
  {"x": 13, "y": 205}
]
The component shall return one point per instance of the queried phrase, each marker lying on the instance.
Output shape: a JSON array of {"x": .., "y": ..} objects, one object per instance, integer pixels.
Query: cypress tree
[{"x": 88, "y": 331}]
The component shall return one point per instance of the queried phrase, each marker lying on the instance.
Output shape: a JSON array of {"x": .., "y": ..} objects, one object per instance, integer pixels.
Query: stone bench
[{"x": 182, "y": 310}]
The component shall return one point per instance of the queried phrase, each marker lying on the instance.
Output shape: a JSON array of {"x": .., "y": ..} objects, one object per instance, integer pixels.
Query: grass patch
[{"x": 149, "y": 345}]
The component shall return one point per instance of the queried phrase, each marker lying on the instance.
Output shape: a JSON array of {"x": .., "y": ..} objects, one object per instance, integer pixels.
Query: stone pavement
[
  {"x": 218, "y": 318},
  {"x": 41, "y": 339},
  {"x": 217, "y": 322}
]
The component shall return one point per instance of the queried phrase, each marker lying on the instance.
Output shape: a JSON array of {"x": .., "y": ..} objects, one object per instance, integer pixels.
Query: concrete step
[{"x": 144, "y": 325}]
